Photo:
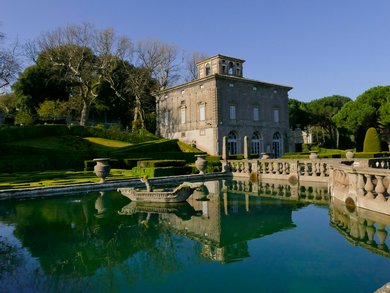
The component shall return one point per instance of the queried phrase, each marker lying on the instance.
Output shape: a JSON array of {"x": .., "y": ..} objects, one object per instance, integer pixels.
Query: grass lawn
[
  {"x": 56, "y": 178},
  {"x": 108, "y": 142}
]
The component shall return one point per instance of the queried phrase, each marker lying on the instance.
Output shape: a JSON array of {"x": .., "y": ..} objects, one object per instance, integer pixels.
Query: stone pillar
[
  {"x": 224, "y": 148},
  {"x": 246, "y": 148}
]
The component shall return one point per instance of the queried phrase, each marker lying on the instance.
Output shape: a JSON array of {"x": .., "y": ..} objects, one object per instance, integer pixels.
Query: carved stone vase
[
  {"x": 102, "y": 168},
  {"x": 313, "y": 155},
  {"x": 264, "y": 156},
  {"x": 349, "y": 154},
  {"x": 201, "y": 163}
]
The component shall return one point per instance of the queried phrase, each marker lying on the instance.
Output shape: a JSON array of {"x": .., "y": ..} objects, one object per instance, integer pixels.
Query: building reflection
[
  {"x": 225, "y": 220},
  {"x": 361, "y": 227}
]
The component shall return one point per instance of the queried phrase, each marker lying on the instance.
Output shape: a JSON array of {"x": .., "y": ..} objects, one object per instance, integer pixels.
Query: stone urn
[
  {"x": 349, "y": 154},
  {"x": 264, "y": 156},
  {"x": 201, "y": 163},
  {"x": 313, "y": 155},
  {"x": 102, "y": 205},
  {"x": 102, "y": 168}
]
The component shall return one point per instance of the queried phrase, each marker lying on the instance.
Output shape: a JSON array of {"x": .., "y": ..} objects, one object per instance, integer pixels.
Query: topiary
[{"x": 372, "y": 142}]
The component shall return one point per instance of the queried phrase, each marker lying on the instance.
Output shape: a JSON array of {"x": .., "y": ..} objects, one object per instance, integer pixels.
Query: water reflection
[
  {"x": 361, "y": 227},
  {"x": 78, "y": 236}
]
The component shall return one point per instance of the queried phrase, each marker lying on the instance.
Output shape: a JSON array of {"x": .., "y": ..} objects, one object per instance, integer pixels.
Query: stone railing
[
  {"x": 316, "y": 170},
  {"x": 362, "y": 187}
]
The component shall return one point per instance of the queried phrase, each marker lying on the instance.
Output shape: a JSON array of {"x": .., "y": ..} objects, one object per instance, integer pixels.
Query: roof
[
  {"x": 222, "y": 57},
  {"x": 224, "y": 76}
]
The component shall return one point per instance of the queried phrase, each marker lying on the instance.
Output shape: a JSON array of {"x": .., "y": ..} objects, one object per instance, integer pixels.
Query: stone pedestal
[{"x": 246, "y": 147}]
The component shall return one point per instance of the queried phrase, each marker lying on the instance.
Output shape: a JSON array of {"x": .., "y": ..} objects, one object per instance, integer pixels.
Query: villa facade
[{"x": 221, "y": 102}]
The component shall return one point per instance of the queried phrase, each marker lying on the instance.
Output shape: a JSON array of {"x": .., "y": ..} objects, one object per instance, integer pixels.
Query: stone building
[{"x": 221, "y": 102}]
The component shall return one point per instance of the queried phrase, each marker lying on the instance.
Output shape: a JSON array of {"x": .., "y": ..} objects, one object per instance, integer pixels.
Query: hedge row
[
  {"x": 161, "y": 163},
  {"x": 18, "y": 133},
  {"x": 161, "y": 171},
  {"x": 10, "y": 164}
]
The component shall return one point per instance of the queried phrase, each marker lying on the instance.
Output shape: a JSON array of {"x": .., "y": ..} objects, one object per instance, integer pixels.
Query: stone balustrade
[
  {"x": 282, "y": 169},
  {"x": 362, "y": 187}
]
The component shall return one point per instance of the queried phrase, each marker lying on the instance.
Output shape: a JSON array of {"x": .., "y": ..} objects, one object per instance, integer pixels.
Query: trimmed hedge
[
  {"x": 372, "y": 142},
  {"x": 10, "y": 164},
  {"x": 161, "y": 171},
  {"x": 18, "y": 133},
  {"x": 161, "y": 163}
]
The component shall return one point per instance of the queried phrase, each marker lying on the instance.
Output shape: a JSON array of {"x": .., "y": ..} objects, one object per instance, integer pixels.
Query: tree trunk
[
  {"x": 138, "y": 115},
  {"x": 84, "y": 113}
]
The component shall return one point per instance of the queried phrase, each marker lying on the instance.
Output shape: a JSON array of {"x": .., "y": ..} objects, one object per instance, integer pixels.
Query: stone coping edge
[{"x": 50, "y": 191}]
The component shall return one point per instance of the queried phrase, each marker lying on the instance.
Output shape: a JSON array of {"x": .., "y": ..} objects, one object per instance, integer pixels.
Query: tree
[
  {"x": 298, "y": 114},
  {"x": 321, "y": 113},
  {"x": 372, "y": 141},
  {"x": 85, "y": 56},
  {"x": 40, "y": 82},
  {"x": 7, "y": 103},
  {"x": 52, "y": 109},
  {"x": 370, "y": 109},
  {"x": 9, "y": 64},
  {"x": 161, "y": 60},
  {"x": 190, "y": 65}
]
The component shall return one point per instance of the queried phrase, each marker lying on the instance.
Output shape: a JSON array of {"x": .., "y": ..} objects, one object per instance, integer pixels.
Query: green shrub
[
  {"x": 161, "y": 171},
  {"x": 372, "y": 142},
  {"x": 161, "y": 163},
  {"x": 371, "y": 154}
]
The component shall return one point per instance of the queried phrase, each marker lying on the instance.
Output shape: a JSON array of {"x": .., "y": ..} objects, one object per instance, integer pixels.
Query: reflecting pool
[{"x": 230, "y": 236}]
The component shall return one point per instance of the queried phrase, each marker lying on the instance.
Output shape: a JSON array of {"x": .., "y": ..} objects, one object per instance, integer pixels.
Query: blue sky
[{"x": 319, "y": 47}]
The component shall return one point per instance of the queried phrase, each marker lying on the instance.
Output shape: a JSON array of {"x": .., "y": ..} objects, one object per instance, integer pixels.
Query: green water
[{"x": 226, "y": 239}]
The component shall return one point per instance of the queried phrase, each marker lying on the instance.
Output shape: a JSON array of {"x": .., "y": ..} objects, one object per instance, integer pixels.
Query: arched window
[
  {"x": 276, "y": 144},
  {"x": 232, "y": 143},
  {"x": 208, "y": 69},
  {"x": 257, "y": 143},
  {"x": 231, "y": 68}
]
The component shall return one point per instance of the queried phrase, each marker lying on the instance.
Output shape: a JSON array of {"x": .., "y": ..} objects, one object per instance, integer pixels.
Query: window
[
  {"x": 232, "y": 113},
  {"x": 231, "y": 85},
  {"x": 202, "y": 112},
  {"x": 231, "y": 67},
  {"x": 224, "y": 69},
  {"x": 255, "y": 113},
  {"x": 208, "y": 69},
  {"x": 276, "y": 115},
  {"x": 238, "y": 71},
  {"x": 166, "y": 118},
  {"x": 183, "y": 115},
  {"x": 232, "y": 143},
  {"x": 257, "y": 144},
  {"x": 254, "y": 88},
  {"x": 276, "y": 143}
]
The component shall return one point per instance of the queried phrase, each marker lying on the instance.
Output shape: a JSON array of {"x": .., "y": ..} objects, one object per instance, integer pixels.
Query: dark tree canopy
[{"x": 370, "y": 109}]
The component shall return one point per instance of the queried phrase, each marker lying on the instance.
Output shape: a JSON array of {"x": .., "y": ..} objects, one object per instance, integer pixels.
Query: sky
[{"x": 318, "y": 47}]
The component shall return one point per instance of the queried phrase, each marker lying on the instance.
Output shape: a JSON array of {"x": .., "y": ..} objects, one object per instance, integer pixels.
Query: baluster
[
  {"x": 322, "y": 169},
  {"x": 360, "y": 185},
  {"x": 307, "y": 169},
  {"x": 382, "y": 234},
  {"x": 370, "y": 232},
  {"x": 369, "y": 187},
  {"x": 380, "y": 188},
  {"x": 284, "y": 168},
  {"x": 314, "y": 169},
  {"x": 362, "y": 229}
]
